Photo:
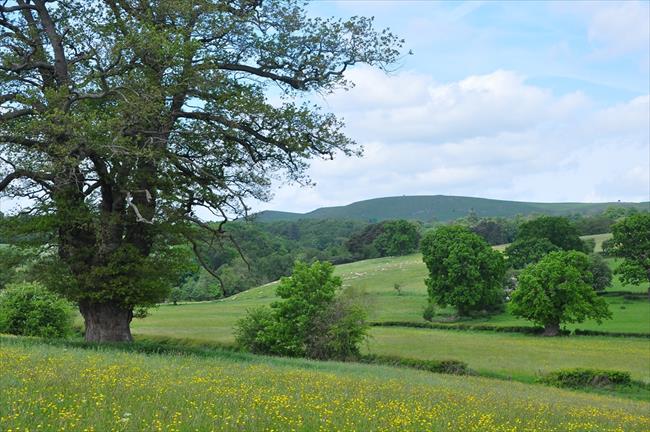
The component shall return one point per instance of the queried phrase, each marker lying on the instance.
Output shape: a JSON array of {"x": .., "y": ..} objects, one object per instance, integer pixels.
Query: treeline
[{"x": 252, "y": 254}]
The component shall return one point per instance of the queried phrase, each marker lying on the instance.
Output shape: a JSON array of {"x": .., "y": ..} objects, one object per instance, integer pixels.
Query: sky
[{"x": 525, "y": 101}]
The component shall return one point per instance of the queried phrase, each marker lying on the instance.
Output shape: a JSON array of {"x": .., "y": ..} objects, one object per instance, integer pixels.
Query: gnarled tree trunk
[{"x": 106, "y": 322}]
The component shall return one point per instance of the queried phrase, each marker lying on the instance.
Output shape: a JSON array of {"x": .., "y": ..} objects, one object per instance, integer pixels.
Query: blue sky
[{"x": 531, "y": 101}]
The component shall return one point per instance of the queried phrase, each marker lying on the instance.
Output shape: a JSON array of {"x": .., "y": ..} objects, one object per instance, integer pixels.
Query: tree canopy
[
  {"x": 464, "y": 271},
  {"x": 631, "y": 241},
  {"x": 558, "y": 289},
  {"x": 120, "y": 119},
  {"x": 557, "y": 230}
]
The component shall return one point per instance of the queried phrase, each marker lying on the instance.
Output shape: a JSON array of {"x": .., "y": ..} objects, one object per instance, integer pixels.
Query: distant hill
[{"x": 441, "y": 208}]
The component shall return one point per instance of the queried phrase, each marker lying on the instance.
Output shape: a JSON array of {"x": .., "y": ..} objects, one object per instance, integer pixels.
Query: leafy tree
[
  {"x": 558, "y": 289},
  {"x": 632, "y": 243},
  {"x": 464, "y": 271},
  {"x": 520, "y": 253},
  {"x": 121, "y": 118},
  {"x": 29, "y": 309},
  {"x": 362, "y": 244},
  {"x": 602, "y": 274},
  {"x": 557, "y": 230},
  {"x": 495, "y": 231},
  {"x": 398, "y": 237},
  {"x": 309, "y": 321}
]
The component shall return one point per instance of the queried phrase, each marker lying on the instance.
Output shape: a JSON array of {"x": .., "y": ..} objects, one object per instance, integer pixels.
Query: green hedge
[
  {"x": 466, "y": 327},
  {"x": 454, "y": 367},
  {"x": 502, "y": 329},
  {"x": 579, "y": 332},
  {"x": 579, "y": 377}
]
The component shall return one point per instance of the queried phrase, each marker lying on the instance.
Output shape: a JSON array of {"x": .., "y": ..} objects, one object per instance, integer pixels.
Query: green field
[
  {"x": 520, "y": 356},
  {"x": 69, "y": 389}
]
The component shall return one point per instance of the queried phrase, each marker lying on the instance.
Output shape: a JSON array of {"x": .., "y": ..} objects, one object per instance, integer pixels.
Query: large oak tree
[{"x": 120, "y": 118}]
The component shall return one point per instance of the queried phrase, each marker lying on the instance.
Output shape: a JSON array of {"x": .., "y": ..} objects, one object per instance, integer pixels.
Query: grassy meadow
[
  {"x": 60, "y": 388},
  {"x": 70, "y": 389},
  {"x": 518, "y": 356}
]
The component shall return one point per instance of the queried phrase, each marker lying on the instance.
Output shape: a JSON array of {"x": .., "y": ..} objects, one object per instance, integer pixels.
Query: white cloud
[
  {"x": 614, "y": 28},
  {"x": 490, "y": 135},
  {"x": 413, "y": 107}
]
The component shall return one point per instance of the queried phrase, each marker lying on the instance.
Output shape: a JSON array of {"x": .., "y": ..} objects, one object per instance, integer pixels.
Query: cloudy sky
[{"x": 520, "y": 101}]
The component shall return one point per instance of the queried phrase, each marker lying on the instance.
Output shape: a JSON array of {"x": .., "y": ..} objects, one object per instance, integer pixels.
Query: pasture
[
  {"x": 52, "y": 388},
  {"x": 517, "y": 356}
]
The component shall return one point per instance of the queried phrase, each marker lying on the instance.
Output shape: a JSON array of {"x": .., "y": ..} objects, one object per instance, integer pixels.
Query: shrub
[
  {"x": 310, "y": 320},
  {"x": 454, "y": 367},
  {"x": 338, "y": 331},
  {"x": 574, "y": 378},
  {"x": 253, "y": 331},
  {"x": 28, "y": 309},
  {"x": 429, "y": 312}
]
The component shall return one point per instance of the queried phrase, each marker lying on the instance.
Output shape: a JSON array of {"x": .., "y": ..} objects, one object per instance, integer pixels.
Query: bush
[
  {"x": 338, "y": 331},
  {"x": 454, "y": 367},
  {"x": 575, "y": 378},
  {"x": 429, "y": 312},
  {"x": 311, "y": 321},
  {"x": 252, "y": 331},
  {"x": 28, "y": 309}
]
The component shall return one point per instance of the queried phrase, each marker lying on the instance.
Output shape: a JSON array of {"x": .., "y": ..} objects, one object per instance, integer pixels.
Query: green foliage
[
  {"x": 495, "y": 231},
  {"x": 631, "y": 241},
  {"x": 429, "y": 312},
  {"x": 588, "y": 245},
  {"x": 464, "y": 271},
  {"x": 601, "y": 273},
  {"x": 309, "y": 321},
  {"x": 526, "y": 251},
  {"x": 399, "y": 237},
  {"x": 557, "y": 230},
  {"x": 29, "y": 309},
  {"x": 609, "y": 248},
  {"x": 254, "y": 332},
  {"x": 11, "y": 259},
  {"x": 454, "y": 367},
  {"x": 362, "y": 244},
  {"x": 580, "y": 377},
  {"x": 558, "y": 290},
  {"x": 128, "y": 278},
  {"x": 124, "y": 121}
]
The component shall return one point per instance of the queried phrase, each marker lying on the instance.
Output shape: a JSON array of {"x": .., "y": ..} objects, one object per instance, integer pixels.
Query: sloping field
[
  {"x": 499, "y": 353},
  {"x": 56, "y": 389}
]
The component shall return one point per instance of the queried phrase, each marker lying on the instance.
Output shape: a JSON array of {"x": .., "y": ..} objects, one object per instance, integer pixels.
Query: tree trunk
[
  {"x": 106, "y": 322},
  {"x": 551, "y": 329}
]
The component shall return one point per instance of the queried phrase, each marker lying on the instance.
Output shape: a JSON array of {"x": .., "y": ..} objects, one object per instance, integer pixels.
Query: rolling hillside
[{"x": 442, "y": 208}]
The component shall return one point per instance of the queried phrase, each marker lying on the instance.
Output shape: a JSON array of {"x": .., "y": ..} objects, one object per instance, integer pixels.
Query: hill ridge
[{"x": 442, "y": 208}]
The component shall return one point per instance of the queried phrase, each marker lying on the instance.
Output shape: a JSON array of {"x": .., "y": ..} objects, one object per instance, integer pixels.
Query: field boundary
[{"x": 502, "y": 329}]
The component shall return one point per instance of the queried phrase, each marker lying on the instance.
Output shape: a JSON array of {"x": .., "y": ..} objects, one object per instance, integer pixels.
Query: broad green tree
[
  {"x": 558, "y": 289},
  {"x": 526, "y": 251},
  {"x": 464, "y": 271},
  {"x": 558, "y": 230},
  {"x": 121, "y": 118},
  {"x": 631, "y": 241},
  {"x": 399, "y": 237}
]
